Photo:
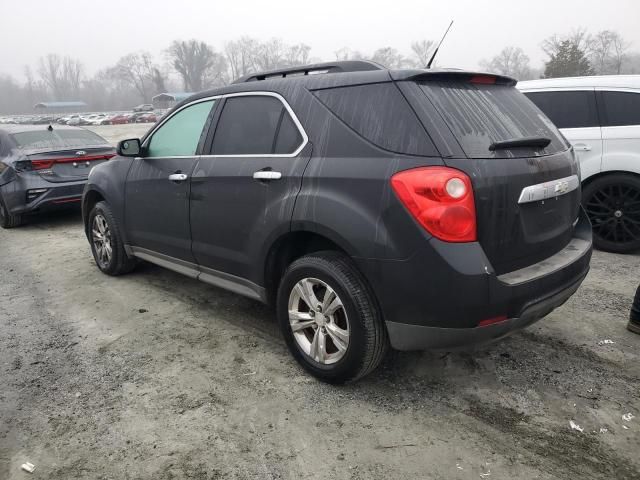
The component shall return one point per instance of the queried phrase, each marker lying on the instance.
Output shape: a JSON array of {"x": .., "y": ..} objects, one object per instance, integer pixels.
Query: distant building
[
  {"x": 168, "y": 100},
  {"x": 60, "y": 107}
]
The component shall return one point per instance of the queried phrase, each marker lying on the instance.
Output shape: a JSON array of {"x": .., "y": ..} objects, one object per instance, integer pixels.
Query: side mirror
[{"x": 129, "y": 148}]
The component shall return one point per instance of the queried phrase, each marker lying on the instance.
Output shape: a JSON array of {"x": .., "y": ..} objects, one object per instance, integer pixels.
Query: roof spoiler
[
  {"x": 328, "y": 67},
  {"x": 453, "y": 74}
]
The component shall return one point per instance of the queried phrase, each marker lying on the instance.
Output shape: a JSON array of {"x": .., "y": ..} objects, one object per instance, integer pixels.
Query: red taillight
[
  {"x": 48, "y": 163},
  {"x": 483, "y": 79},
  {"x": 440, "y": 199},
  {"x": 493, "y": 321}
]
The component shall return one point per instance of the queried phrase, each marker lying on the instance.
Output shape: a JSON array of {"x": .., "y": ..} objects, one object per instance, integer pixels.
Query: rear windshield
[
  {"x": 480, "y": 114},
  {"x": 63, "y": 138}
]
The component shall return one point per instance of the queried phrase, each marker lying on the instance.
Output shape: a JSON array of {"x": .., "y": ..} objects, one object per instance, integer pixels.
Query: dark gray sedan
[{"x": 45, "y": 167}]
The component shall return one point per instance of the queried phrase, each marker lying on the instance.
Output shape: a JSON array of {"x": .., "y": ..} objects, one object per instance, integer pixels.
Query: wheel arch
[
  {"x": 587, "y": 181},
  {"x": 289, "y": 247}
]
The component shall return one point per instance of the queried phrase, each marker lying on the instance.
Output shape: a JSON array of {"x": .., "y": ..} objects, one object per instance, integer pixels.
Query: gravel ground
[{"x": 156, "y": 376}]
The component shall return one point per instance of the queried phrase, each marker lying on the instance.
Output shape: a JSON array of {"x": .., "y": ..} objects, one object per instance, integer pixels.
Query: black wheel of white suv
[
  {"x": 613, "y": 205},
  {"x": 329, "y": 318},
  {"x": 106, "y": 243},
  {"x": 7, "y": 220}
]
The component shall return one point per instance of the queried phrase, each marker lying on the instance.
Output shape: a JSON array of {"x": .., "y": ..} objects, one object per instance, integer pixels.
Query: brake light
[
  {"x": 483, "y": 79},
  {"x": 440, "y": 199},
  {"x": 46, "y": 164},
  {"x": 493, "y": 321}
]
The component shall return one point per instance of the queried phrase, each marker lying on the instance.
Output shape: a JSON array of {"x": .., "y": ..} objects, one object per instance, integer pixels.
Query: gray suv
[{"x": 373, "y": 208}]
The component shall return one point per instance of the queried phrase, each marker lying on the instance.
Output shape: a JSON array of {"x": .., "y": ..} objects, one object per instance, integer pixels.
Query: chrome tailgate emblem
[{"x": 546, "y": 190}]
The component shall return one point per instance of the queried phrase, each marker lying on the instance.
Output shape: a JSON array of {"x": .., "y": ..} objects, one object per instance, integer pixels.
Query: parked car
[
  {"x": 119, "y": 119},
  {"x": 414, "y": 209},
  {"x": 146, "y": 107},
  {"x": 600, "y": 116},
  {"x": 149, "y": 117},
  {"x": 44, "y": 168}
]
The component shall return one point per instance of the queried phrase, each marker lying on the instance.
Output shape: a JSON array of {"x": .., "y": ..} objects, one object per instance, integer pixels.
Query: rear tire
[
  {"x": 344, "y": 338},
  {"x": 613, "y": 205},
  {"x": 106, "y": 242},
  {"x": 8, "y": 220}
]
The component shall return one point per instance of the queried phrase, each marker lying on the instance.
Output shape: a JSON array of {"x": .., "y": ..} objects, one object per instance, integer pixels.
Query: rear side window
[
  {"x": 480, "y": 114},
  {"x": 379, "y": 113},
  {"x": 571, "y": 109},
  {"x": 57, "y": 138},
  {"x": 620, "y": 108},
  {"x": 255, "y": 125}
]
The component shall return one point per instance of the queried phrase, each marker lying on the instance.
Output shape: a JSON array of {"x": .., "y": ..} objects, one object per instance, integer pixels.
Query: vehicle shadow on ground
[
  {"x": 50, "y": 220},
  {"x": 255, "y": 317}
]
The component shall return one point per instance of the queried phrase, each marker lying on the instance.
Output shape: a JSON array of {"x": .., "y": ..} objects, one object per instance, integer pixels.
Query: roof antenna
[{"x": 435, "y": 52}]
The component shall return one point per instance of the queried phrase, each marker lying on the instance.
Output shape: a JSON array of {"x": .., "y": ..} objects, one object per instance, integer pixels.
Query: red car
[
  {"x": 119, "y": 120},
  {"x": 147, "y": 118}
]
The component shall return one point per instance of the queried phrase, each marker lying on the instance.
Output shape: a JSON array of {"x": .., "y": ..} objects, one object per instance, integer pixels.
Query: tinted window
[
  {"x": 380, "y": 114},
  {"x": 567, "y": 109},
  {"x": 620, "y": 108},
  {"x": 289, "y": 138},
  {"x": 179, "y": 136},
  {"x": 480, "y": 114},
  {"x": 57, "y": 138},
  {"x": 249, "y": 125}
]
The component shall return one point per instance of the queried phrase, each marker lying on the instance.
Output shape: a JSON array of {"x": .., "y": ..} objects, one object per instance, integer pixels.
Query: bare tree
[
  {"x": 198, "y": 64},
  {"x": 137, "y": 70},
  {"x": 578, "y": 37},
  {"x": 345, "y": 53},
  {"x": 241, "y": 55},
  {"x": 297, "y": 55},
  {"x": 389, "y": 57},
  {"x": 607, "y": 50},
  {"x": 63, "y": 75},
  {"x": 422, "y": 51},
  {"x": 510, "y": 61}
]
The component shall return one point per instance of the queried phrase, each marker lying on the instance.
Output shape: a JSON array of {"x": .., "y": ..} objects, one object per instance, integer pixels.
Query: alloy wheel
[
  {"x": 614, "y": 211},
  {"x": 101, "y": 236},
  {"x": 318, "y": 320}
]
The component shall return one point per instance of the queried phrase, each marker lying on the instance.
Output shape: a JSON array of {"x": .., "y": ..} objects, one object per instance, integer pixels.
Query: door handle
[
  {"x": 267, "y": 175},
  {"x": 582, "y": 147},
  {"x": 178, "y": 177}
]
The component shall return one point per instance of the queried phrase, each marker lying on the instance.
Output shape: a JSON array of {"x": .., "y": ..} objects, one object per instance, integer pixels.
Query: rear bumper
[
  {"x": 417, "y": 337},
  {"x": 56, "y": 196},
  {"x": 438, "y": 297}
]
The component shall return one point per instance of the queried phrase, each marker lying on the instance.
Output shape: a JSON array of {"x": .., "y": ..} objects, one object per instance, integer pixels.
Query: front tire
[
  {"x": 330, "y": 319},
  {"x": 106, "y": 242},
  {"x": 613, "y": 205},
  {"x": 8, "y": 220}
]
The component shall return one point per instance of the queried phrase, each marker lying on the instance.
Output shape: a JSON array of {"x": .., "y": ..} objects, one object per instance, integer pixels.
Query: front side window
[
  {"x": 255, "y": 125},
  {"x": 620, "y": 109},
  {"x": 179, "y": 136},
  {"x": 570, "y": 109}
]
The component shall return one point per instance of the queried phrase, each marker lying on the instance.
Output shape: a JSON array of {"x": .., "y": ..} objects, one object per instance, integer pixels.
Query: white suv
[{"x": 600, "y": 116}]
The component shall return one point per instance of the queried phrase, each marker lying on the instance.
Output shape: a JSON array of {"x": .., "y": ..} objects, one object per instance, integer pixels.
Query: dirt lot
[{"x": 157, "y": 376}]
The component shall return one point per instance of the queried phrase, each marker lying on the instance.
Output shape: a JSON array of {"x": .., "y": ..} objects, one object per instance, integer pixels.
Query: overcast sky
[{"x": 98, "y": 32}]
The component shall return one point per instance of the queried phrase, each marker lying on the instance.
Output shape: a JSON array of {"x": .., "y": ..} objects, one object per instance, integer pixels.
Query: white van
[{"x": 600, "y": 116}]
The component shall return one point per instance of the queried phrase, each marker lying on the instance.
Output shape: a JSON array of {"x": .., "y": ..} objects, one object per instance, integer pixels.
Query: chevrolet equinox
[{"x": 374, "y": 208}]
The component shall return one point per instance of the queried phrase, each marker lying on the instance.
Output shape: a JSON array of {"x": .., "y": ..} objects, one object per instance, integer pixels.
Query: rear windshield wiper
[{"x": 537, "y": 142}]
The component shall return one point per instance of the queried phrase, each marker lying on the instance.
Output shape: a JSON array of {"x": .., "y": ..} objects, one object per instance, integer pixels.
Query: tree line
[{"x": 193, "y": 65}]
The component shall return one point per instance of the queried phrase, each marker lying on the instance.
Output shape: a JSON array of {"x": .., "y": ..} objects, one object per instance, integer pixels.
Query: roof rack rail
[{"x": 328, "y": 67}]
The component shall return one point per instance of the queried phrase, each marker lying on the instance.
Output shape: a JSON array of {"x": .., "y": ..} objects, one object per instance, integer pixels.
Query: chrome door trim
[
  {"x": 213, "y": 277},
  {"x": 546, "y": 190},
  {"x": 305, "y": 137}
]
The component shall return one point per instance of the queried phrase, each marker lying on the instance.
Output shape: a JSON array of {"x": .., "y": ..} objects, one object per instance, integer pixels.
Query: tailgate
[
  {"x": 527, "y": 193},
  {"x": 525, "y": 207}
]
